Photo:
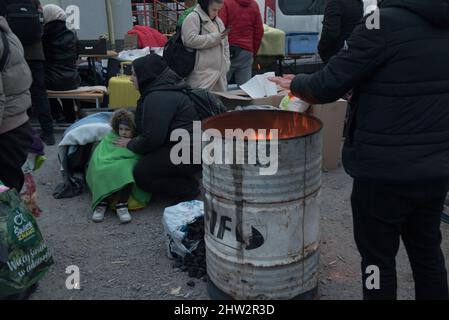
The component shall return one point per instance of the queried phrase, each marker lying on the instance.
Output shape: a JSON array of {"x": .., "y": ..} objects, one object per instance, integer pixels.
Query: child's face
[{"x": 125, "y": 131}]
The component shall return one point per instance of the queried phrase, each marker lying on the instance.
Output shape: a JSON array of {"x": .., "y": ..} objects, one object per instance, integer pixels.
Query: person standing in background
[
  {"x": 61, "y": 53},
  {"x": 15, "y": 100},
  {"x": 340, "y": 19},
  {"x": 204, "y": 32},
  {"x": 244, "y": 20},
  {"x": 25, "y": 19},
  {"x": 189, "y": 7}
]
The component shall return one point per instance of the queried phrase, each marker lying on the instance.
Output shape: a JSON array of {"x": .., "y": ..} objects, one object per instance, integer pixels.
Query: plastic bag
[
  {"x": 24, "y": 257},
  {"x": 29, "y": 190},
  {"x": 292, "y": 103},
  {"x": 176, "y": 220}
]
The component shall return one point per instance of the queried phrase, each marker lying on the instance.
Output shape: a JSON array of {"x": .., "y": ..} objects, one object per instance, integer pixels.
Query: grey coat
[
  {"x": 212, "y": 55},
  {"x": 15, "y": 80}
]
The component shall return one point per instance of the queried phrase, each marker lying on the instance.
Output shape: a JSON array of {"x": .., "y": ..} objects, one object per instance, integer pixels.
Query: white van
[{"x": 296, "y": 15}]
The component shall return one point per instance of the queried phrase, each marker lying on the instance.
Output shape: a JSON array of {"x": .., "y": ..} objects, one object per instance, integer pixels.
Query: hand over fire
[{"x": 284, "y": 82}]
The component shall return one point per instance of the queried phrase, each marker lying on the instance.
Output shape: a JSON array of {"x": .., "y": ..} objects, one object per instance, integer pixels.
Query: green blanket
[{"x": 111, "y": 169}]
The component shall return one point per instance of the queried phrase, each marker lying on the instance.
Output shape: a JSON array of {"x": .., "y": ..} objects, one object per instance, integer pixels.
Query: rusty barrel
[{"x": 261, "y": 231}]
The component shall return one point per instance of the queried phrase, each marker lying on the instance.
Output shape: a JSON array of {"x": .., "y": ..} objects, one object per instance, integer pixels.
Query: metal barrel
[{"x": 262, "y": 231}]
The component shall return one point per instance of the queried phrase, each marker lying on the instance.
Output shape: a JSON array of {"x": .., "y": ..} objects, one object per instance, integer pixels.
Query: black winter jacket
[
  {"x": 33, "y": 51},
  {"x": 340, "y": 19},
  {"x": 399, "y": 123},
  {"x": 61, "y": 54},
  {"x": 163, "y": 107}
]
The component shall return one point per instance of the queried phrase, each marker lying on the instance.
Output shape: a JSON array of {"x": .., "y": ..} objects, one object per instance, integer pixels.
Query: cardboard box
[
  {"x": 333, "y": 117},
  {"x": 235, "y": 98}
]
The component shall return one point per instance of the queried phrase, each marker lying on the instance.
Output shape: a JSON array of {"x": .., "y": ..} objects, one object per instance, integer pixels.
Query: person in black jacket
[
  {"x": 61, "y": 54},
  {"x": 397, "y": 145},
  {"x": 340, "y": 19},
  {"x": 162, "y": 108}
]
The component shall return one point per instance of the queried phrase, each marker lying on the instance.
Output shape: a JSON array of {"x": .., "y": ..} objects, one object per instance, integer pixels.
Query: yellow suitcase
[{"x": 122, "y": 93}]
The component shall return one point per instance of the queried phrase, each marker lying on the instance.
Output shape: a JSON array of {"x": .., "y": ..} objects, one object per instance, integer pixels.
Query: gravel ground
[{"x": 130, "y": 262}]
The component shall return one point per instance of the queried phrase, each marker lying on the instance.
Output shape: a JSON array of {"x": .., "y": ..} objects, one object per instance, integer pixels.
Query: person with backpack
[
  {"x": 61, "y": 53},
  {"x": 204, "y": 32},
  {"x": 245, "y": 36},
  {"x": 26, "y": 21},
  {"x": 164, "y": 106}
]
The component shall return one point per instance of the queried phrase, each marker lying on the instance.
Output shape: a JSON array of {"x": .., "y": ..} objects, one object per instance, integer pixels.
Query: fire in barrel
[{"x": 262, "y": 188}]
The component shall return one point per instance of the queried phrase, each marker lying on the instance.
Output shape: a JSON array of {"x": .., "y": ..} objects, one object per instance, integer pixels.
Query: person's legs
[
  {"x": 68, "y": 110},
  {"x": 41, "y": 105},
  {"x": 123, "y": 195},
  {"x": 56, "y": 109},
  {"x": 422, "y": 239},
  {"x": 243, "y": 66},
  {"x": 155, "y": 173},
  {"x": 122, "y": 204},
  {"x": 15, "y": 146},
  {"x": 378, "y": 213}
]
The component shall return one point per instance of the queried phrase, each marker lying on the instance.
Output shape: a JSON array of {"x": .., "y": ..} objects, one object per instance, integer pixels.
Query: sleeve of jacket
[
  {"x": 258, "y": 31},
  {"x": 2, "y": 99},
  {"x": 156, "y": 122},
  {"x": 192, "y": 38},
  {"x": 331, "y": 27},
  {"x": 365, "y": 53},
  {"x": 223, "y": 14}
]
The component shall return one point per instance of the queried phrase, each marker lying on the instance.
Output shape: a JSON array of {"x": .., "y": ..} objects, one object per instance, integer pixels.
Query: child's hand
[{"x": 122, "y": 142}]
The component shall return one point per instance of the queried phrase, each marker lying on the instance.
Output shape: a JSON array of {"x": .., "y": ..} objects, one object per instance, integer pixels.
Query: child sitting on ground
[{"x": 110, "y": 172}]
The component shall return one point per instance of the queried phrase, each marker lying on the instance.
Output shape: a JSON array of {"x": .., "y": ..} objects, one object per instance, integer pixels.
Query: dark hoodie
[
  {"x": 399, "y": 122},
  {"x": 163, "y": 106}
]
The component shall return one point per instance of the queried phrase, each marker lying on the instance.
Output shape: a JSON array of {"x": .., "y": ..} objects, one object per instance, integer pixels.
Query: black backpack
[
  {"x": 206, "y": 103},
  {"x": 25, "y": 20},
  {"x": 179, "y": 58}
]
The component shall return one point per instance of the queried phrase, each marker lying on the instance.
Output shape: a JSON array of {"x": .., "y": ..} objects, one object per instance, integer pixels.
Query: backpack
[
  {"x": 26, "y": 21},
  {"x": 179, "y": 58},
  {"x": 206, "y": 103}
]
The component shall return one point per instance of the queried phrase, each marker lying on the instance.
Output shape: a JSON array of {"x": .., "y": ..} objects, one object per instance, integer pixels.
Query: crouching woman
[{"x": 164, "y": 106}]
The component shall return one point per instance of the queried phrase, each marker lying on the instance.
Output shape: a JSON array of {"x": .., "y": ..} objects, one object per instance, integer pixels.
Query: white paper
[{"x": 259, "y": 86}]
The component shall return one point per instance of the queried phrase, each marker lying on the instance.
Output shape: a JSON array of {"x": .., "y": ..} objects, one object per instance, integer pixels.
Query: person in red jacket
[{"x": 245, "y": 21}]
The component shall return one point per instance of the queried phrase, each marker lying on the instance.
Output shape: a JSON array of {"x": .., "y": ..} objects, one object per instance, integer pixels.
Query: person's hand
[
  {"x": 122, "y": 142},
  {"x": 284, "y": 82},
  {"x": 224, "y": 34}
]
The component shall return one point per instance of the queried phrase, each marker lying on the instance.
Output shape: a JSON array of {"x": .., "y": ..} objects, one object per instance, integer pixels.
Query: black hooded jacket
[
  {"x": 399, "y": 122},
  {"x": 163, "y": 106},
  {"x": 61, "y": 54},
  {"x": 340, "y": 19}
]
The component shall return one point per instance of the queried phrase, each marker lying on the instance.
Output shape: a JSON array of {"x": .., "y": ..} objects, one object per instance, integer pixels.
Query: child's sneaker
[
  {"x": 123, "y": 213},
  {"x": 99, "y": 212}
]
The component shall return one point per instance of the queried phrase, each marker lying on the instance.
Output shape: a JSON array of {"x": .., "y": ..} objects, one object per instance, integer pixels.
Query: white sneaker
[
  {"x": 99, "y": 213},
  {"x": 123, "y": 213}
]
